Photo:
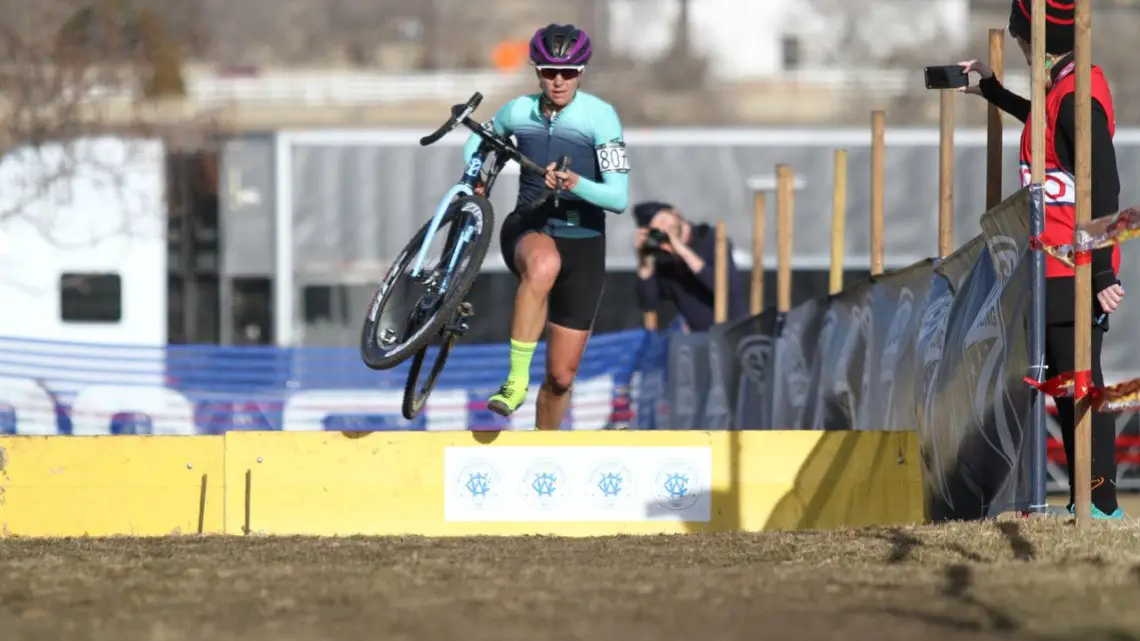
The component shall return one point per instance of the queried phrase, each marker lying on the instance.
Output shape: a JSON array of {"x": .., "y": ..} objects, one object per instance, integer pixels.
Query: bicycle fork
[
  {"x": 457, "y": 190},
  {"x": 439, "y": 279}
]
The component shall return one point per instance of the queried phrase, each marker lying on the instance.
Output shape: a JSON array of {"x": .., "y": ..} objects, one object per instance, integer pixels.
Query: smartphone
[{"x": 946, "y": 77}]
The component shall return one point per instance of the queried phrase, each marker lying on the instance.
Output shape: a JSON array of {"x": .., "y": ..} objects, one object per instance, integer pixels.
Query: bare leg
[
  {"x": 538, "y": 262},
  {"x": 564, "y": 349}
]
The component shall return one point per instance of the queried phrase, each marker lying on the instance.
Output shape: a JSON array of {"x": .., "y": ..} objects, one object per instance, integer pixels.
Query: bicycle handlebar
[
  {"x": 563, "y": 163},
  {"x": 461, "y": 115},
  {"x": 458, "y": 114}
]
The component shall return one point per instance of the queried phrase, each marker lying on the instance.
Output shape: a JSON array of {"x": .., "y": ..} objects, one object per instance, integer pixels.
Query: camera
[{"x": 655, "y": 240}]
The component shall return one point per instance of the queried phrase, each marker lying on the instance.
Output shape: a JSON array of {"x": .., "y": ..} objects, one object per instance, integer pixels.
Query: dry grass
[{"x": 1019, "y": 579}]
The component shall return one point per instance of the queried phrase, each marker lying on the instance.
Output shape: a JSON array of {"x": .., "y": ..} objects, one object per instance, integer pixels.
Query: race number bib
[{"x": 612, "y": 158}]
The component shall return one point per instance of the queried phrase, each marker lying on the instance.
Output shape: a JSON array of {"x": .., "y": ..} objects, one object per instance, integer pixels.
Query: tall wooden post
[
  {"x": 946, "y": 173},
  {"x": 994, "y": 125},
  {"x": 1082, "y": 313},
  {"x": 878, "y": 155}
]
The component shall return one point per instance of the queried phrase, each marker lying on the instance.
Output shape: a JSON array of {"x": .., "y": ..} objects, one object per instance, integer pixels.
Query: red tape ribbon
[
  {"x": 1082, "y": 258},
  {"x": 1056, "y": 387},
  {"x": 1036, "y": 244},
  {"x": 1082, "y": 381},
  {"x": 1097, "y": 397}
]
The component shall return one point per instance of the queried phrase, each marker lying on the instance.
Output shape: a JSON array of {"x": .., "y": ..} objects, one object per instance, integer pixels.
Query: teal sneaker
[
  {"x": 1117, "y": 515},
  {"x": 1098, "y": 514}
]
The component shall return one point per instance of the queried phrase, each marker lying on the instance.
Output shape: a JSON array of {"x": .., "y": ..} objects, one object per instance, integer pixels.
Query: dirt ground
[{"x": 1006, "y": 579}]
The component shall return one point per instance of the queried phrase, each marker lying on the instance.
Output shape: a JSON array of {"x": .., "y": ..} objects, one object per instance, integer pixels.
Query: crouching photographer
[{"x": 677, "y": 262}]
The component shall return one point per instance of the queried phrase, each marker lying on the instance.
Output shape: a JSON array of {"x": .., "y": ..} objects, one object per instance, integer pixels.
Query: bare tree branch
[{"x": 65, "y": 66}]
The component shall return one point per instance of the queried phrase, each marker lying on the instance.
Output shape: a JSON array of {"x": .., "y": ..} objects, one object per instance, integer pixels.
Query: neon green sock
[{"x": 521, "y": 355}]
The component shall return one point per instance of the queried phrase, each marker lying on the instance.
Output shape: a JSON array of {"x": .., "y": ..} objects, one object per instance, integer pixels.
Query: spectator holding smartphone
[
  {"x": 677, "y": 262},
  {"x": 1060, "y": 218}
]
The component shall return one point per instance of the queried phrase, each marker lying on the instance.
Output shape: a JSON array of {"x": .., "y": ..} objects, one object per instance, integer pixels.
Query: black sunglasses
[{"x": 569, "y": 73}]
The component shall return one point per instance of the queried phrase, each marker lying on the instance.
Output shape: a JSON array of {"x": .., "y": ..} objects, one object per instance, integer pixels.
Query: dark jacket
[{"x": 693, "y": 293}]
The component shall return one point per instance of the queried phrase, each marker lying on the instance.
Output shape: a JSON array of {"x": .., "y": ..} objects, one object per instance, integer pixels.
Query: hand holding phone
[{"x": 946, "y": 77}]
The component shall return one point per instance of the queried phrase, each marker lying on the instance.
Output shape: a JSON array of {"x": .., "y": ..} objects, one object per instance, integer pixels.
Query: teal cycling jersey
[{"x": 587, "y": 130}]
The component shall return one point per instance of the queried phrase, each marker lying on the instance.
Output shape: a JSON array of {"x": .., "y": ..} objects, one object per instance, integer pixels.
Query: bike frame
[
  {"x": 465, "y": 187},
  {"x": 491, "y": 142}
]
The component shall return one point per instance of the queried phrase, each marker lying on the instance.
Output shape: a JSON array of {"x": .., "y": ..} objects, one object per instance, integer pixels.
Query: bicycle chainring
[{"x": 426, "y": 307}]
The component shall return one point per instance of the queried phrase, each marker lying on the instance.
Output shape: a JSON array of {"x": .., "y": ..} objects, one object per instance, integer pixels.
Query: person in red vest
[{"x": 1060, "y": 217}]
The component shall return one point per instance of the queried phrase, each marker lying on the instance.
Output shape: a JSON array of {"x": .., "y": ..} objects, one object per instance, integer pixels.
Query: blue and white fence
[{"x": 49, "y": 387}]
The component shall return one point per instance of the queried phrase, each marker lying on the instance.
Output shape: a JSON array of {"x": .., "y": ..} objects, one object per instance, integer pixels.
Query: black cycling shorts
[{"x": 573, "y": 301}]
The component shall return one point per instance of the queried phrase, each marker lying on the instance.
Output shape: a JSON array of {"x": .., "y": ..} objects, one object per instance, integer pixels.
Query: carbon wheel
[{"x": 405, "y": 316}]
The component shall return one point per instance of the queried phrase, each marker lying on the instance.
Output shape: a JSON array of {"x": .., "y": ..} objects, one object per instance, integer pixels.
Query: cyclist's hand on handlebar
[
  {"x": 569, "y": 178},
  {"x": 551, "y": 179}
]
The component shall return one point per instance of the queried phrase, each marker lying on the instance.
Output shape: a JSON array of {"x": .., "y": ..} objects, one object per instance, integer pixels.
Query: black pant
[{"x": 1059, "y": 358}]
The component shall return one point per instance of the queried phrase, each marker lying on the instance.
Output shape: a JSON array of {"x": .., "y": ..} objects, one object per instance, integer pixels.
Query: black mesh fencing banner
[
  {"x": 795, "y": 352},
  {"x": 975, "y": 408},
  {"x": 751, "y": 341},
  {"x": 688, "y": 380},
  {"x": 939, "y": 347},
  {"x": 724, "y": 375}
]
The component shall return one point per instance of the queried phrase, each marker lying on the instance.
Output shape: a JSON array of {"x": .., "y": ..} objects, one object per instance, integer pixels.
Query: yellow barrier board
[
  {"x": 568, "y": 483},
  {"x": 458, "y": 483},
  {"x": 111, "y": 485}
]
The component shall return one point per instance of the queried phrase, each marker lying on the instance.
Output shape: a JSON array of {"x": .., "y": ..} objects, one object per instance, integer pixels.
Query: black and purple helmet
[{"x": 557, "y": 45}]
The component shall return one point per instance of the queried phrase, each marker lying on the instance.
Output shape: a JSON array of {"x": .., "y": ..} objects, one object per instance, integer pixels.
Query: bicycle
[{"x": 440, "y": 315}]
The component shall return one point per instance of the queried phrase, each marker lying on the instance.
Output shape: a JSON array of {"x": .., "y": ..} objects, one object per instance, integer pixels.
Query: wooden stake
[
  {"x": 759, "y": 213},
  {"x": 838, "y": 220},
  {"x": 785, "y": 192},
  {"x": 878, "y": 155},
  {"x": 720, "y": 290},
  {"x": 946, "y": 174},
  {"x": 994, "y": 125},
  {"x": 1082, "y": 313}
]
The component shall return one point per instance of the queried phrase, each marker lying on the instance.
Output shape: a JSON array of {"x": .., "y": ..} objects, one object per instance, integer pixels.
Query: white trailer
[{"x": 83, "y": 251}]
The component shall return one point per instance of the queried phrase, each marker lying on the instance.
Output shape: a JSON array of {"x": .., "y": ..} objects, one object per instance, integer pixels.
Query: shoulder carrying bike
[{"x": 418, "y": 306}]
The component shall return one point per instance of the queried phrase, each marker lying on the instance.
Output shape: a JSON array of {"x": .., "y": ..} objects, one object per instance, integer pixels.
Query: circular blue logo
[
  {"x": 610, "y": 484},
  {"x": 479, "y": 485},
  {"x": 678, "y": 486},
  {"x": 544, "y": 485}
]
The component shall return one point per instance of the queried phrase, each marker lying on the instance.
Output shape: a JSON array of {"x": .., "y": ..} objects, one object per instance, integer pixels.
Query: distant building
[{"x": 761, "y": 38}]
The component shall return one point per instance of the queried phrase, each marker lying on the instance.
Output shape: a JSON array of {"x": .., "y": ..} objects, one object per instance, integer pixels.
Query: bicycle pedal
[{"x": 458, "y": 329}]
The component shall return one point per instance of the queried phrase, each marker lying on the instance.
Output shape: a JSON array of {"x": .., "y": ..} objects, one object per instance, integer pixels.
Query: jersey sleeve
[
  {"x": 612, "y": 193},
  {"x": 500, "y": 122}
]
